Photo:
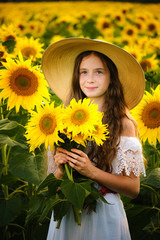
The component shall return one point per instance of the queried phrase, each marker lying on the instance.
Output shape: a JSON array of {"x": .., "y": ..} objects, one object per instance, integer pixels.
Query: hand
[
  {"x": 79, "y": 161},
  {"x": 60, "y": 158}
]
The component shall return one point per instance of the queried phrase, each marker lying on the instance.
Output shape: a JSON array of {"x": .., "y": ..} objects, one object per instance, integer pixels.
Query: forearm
[{"x": 126, "y": 185}]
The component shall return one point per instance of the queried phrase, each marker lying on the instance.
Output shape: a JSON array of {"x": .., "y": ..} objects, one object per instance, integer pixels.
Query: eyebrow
[{"x": 94, "y": 69}]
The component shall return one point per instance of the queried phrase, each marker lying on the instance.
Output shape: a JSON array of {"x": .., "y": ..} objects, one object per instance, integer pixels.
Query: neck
[{"x": 99, "y": 102}]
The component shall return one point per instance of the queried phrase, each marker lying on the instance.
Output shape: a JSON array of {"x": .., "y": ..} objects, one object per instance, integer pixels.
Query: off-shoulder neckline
[{"x": 127, "y": 137}]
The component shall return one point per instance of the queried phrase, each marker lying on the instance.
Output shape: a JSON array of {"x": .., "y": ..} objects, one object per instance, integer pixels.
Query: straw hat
[{"x": 58, "y": 64}]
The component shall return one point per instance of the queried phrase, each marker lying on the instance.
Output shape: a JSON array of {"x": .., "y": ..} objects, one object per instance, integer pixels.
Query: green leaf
[
  {"x": 139, "y": 216},
  {"x": 4, "y": 139},
  {"x": 9, "y": 210},
  {"x": 50, "y": 203},
  {"x": 53, "y": 97},
  {"x": 5, "y": 124},
  {"x": 9, "y": 45},
  {"x": 51, "y": 181},
  {"x": 153, "y": 178},
  {"x": 9, "y": 179},
  {"x": 28, "y": 167},
  {"x": 86, "y": 185},
  {"x": 60, "y": 210},
  {"x": 36, "y": 205},
  {"x": 74, "y": 193}
]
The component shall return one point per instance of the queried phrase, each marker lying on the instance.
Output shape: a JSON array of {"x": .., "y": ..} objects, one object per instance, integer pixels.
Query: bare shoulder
[{"x": 128, "y": 128}]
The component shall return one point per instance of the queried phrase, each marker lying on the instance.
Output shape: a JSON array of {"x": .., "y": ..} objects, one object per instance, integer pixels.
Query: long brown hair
[{"x": 114, "y": 110}]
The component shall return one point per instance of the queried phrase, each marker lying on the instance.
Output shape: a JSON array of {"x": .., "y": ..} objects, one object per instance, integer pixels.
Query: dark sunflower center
[
  {"x": 10, "y": 37},
  {"x": 151, "y": 27},
  {"x": 134, "y": 54},
  {"x": 21, "y": 27},
  {"x": 79, "y": 117},
  {"x": 151, "y": 115},
  {"x": 145, "y": 64},
  {"x": 28, "y": 51},
  {"x": 47, "y": 124},
  {"x": 23, "y": 82},
  {"x": 105, "y": 25},
  {"x": 130, "y": 32},
  {"x": 1, "y": 54}
]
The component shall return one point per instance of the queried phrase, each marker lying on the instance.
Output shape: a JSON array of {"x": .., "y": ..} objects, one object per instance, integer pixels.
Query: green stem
[
  {"x": 5, "y": 162},
  {"x": 30, "y": 190},
  {"x": 9, "y": 149},
  {"x": 58, "y": 223},
  {"x": 70, "y": 176},
  {"x": 17, "y": 191},
  {"x": 76, "y": 215}
]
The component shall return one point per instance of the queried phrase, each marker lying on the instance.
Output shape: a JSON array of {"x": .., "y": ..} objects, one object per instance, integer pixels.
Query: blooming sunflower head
[
  {"x": 100, "y": 134},
  {"x": 44, "y": 126},
  {"x": 29, "y": 47},
  {"x": 147, "y": 115},
  {"x": 22, "y": 84},
  {"x": 149, "y": 63},
  {"x": 8, "y": 32},
  {"x": 81, "y": 117}
]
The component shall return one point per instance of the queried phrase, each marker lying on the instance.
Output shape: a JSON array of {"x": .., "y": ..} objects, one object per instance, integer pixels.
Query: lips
[{"x": 91, "y": 88}]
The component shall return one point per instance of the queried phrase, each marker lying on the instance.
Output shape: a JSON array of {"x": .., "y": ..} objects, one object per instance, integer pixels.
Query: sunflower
[
  {"x": 22, "y": 84},
  {"x": 103, "y": 23},
  {"x": 81, "y": 117},
  {"x": 35, "y": 28},
  {"x": 43, "y": 127},
  {"x": 147, "y": 115},
  {"x": 7, "y": 32},
  {"x": 30, "y": 47},
  {"x": 100, "y": 134},
  {"x": 150, "y": 63},
  {"x": 80, "y": 139},
  {"x": 56, "y": 38},
  {"x": 152, "y": 26},
  {"x": 3, "y": 54},
  {"x": 130, "y": 31},
  {"x": 135, "y": 50}
]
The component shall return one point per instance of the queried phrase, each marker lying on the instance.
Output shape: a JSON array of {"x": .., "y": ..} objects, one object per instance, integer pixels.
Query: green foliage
[
  {"x": 152, "y": 79},
  {"x": 20, "y": 174},
  {"x": 61, "y": 194}
]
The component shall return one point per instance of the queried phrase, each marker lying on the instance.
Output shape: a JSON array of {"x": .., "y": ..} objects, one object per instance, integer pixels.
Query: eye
[
  {"x": 83, "y": 72},
  {"x": 99, "y": 72}
]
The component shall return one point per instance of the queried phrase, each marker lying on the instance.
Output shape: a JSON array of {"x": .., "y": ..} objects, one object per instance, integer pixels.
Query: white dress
[{"x": 109, "y": 222}]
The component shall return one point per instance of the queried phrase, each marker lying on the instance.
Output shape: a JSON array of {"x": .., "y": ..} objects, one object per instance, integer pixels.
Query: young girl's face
[{"x": 94, "y": 77}]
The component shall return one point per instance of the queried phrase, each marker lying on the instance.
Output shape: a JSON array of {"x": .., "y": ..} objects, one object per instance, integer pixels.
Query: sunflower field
[{"x": 26, "y": 29}]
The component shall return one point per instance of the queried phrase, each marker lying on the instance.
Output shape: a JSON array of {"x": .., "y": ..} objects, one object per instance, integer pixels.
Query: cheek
[{"x": 81, "y": 81}]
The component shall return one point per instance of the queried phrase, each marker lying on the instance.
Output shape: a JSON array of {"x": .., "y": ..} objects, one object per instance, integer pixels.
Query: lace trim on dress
[
  {"x": 129, "y": 157},
  {"x": 52, "y": 167}
]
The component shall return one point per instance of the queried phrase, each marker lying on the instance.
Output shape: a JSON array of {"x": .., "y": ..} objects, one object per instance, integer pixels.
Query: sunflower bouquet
[{"x": 70, "y": 127}]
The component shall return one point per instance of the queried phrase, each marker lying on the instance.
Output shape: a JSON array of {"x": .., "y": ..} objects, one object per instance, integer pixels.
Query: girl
[{"x": 113, "y": 79}]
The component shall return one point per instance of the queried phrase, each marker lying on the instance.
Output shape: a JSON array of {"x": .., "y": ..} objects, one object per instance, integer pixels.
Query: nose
[{"x": 90, "y": 78}]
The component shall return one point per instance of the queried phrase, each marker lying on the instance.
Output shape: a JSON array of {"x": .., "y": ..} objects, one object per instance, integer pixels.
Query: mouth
[{"x": 91, "y": 88}]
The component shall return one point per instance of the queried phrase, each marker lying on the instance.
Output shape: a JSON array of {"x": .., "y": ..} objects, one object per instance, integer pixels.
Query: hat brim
[{"x": 58, "y": 64}]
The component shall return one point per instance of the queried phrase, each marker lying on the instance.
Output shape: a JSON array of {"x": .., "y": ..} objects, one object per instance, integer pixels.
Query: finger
[
  {"x": 73, "y": 155},
  {"x": 59, "y": 149},
  {"x": 62, "y": 162},
  {"x": 75, "y": 162},
  {"x": 79, "y": 152},
  {"x": 72, "y": 165},
  {"x": 60, "y": 154}
]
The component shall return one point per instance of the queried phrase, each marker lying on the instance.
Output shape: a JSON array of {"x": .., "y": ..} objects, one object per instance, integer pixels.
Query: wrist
[{"x": 93, "y": 172}]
